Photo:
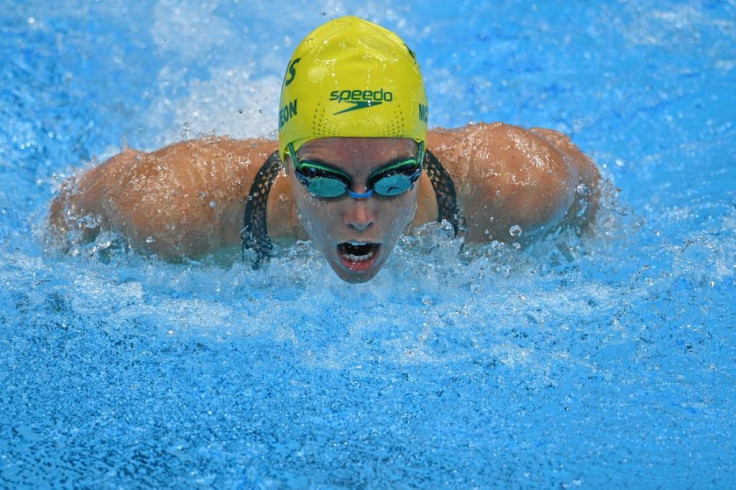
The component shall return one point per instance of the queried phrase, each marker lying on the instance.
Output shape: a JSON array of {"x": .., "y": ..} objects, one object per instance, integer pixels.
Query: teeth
[{"x": 358, "y": 258}]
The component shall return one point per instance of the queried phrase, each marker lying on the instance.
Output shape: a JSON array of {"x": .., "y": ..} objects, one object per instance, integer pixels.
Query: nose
[{"x": 359, "y": 214}]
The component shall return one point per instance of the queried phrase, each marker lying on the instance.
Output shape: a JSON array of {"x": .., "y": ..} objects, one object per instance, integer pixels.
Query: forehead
[{"x": 358, "y": 149}]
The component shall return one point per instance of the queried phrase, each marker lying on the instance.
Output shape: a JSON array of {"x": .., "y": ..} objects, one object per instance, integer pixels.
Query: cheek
[
  {"x": 404, "y": 212},
  {"x": 309, "y": 213},
  {"x": 305, "y": 205},
  {"x": 315, "y": 215}
]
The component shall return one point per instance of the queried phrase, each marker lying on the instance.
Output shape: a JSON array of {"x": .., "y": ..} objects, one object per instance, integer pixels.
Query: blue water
[{"x": 602, "y": 362}]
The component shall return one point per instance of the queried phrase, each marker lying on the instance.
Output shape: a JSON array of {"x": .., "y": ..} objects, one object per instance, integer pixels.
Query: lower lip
[{"x": 359, "y": 265}]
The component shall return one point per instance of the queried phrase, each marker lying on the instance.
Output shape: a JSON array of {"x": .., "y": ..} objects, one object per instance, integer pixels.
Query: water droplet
[{"x": 515, "y": 230}]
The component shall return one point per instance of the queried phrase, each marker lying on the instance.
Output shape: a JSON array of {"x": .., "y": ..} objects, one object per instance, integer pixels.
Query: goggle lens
[
  {"x": 395, "y": 180},
  {"x": 326, "y": 186}
]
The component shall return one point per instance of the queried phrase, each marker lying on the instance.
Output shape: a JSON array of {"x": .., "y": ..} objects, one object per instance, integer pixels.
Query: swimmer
[{"x": 353, "y": 169}]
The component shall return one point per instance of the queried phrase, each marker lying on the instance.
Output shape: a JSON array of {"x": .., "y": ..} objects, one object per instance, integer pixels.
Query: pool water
[{"x": 599, "y": 362}]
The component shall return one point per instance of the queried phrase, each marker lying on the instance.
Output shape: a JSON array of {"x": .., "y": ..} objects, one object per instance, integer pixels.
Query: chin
[{"x": 356, "y": 279}]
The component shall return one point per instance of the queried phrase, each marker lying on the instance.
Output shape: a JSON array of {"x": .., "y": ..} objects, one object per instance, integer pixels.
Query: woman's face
[{"x": 356, "y": 236}]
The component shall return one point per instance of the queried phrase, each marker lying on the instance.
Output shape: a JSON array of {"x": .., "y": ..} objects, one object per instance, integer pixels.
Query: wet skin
[{"x": 356, "y": 236}]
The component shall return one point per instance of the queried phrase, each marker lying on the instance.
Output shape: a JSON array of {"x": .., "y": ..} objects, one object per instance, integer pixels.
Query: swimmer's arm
[
  {"x": 585, "y": 178},
  {"x": 78, "y": 213},
  {"x": 185, "y": 200},
  {"x": 506, "y": 176}
]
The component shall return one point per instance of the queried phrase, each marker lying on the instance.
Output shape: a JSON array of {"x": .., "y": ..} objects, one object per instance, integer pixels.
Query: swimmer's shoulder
[
  {"x": 213, "y": 155},
  {"x": 460, "y": 150},
  {"x": 487, "y": 149},
  {"x": 185, "y": 198},
  {"x": 222, "y": 150},
  {"x": 208, "y": 164}
]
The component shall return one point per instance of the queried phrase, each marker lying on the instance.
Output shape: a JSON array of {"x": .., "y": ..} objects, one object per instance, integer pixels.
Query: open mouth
[{"x": 358, "y": 256}]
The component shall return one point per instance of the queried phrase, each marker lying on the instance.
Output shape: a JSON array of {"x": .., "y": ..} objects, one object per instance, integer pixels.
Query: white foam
[{"x": 229, "y": 103}]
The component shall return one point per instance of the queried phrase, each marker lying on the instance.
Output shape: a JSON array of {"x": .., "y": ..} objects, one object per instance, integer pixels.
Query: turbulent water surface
[{"x": 602, "y": 362}]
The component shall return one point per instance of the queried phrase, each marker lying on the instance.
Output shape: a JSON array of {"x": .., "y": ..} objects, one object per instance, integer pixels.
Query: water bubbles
[
  {"x": 150, "y": 239},
  {"x": 213, "y": 204},
  {"x": 88, "y": 221},
  {"x": 515, "y": 231}
]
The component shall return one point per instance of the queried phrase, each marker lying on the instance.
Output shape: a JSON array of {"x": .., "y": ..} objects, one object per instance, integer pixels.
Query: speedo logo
[{"x": 361, "y": 99}]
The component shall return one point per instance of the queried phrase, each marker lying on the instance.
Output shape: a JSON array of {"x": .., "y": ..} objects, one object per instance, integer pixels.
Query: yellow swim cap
[{"x": 351, "y": 78}]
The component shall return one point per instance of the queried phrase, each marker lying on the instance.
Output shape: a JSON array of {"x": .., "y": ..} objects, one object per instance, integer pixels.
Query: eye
[
  {"x": 326, "y": 187},
  {"x": 392, "y": 185}
]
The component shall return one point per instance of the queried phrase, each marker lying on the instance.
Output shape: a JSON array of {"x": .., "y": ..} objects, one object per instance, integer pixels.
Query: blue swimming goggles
[{"x": 328, "y": 182}]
